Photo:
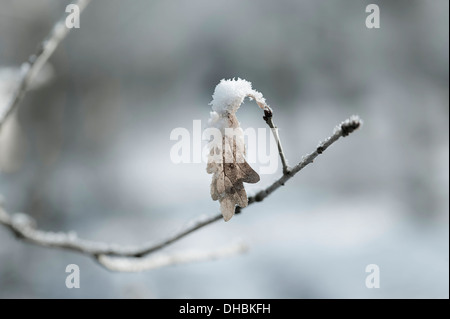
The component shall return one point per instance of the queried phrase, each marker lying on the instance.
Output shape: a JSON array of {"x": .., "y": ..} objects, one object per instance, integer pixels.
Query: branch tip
[{"x": 350, "y": 125}]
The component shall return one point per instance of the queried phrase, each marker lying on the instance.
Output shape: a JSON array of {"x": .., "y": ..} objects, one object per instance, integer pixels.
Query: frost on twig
[
  {"x": 132, "y": 264},
  {"x": 11, "y": 77},
  {"x": 342, "y": 130},
  {"x": 227, "y": 154},
  {"x": 24, "y": 227},
  {"x": 113, "y": 257}
]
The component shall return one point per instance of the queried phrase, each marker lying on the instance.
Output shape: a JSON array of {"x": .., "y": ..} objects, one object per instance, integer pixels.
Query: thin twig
[
  {"x": 24, "y": 227},
  {"x": 37, "y": 60},
  {"x": 268, "y": 118}
]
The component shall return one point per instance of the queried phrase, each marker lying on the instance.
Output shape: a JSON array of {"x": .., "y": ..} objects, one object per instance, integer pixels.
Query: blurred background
[{"x": 89, "y": 148}]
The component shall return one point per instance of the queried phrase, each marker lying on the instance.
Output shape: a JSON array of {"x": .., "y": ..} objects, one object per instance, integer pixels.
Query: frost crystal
[
  {"x": 349, "y": 125},
  {"x": 229, "y": 95}
]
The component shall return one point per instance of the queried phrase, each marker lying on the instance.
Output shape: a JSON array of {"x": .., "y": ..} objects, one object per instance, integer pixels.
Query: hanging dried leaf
[{"x": 227, "y": 155}]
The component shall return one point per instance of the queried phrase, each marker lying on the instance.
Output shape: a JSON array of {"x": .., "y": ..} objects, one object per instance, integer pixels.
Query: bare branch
[
  {"x": 36, "y": 61},
  {"x": 342, "y": 130},
  {"x": 24, "y": 227}
]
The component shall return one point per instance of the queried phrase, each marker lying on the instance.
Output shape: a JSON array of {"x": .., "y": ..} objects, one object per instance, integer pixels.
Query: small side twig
[
  {"x": 268, "y": 113},
  {"x": 342, "y": 130}
]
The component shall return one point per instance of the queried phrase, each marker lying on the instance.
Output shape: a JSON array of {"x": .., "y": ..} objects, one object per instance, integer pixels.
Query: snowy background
[{"x": 89, "y": 150}]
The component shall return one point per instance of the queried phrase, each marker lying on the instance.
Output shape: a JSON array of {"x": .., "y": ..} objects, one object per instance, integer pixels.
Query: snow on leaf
[{"x": 227, "y": 155}]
